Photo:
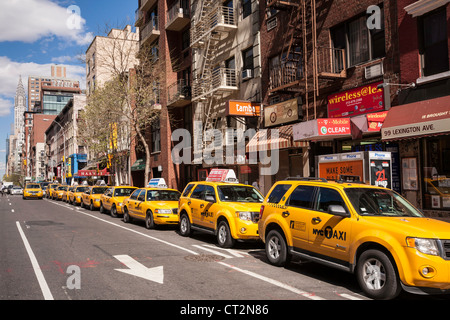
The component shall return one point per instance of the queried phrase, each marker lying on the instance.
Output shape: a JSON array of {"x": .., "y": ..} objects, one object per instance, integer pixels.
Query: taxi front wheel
[
  {"x": 377, "y": 276},
  {"x": 149, "y": 222},
  {"x": 224, "y": 238}
]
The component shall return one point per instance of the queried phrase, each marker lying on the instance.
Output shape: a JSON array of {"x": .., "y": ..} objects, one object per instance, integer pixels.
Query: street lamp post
[{"x": 64, "y": 146}]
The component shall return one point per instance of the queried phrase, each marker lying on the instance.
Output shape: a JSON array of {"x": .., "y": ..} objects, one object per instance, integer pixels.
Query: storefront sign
[
  {"x": 284, "y": 112},
  {"x": 333, "y": 170},
  {"x": 243, "y": 108},
  {"x": 376, "y": 120},
  {"x": 334, "y": 126},
  {"x": 356, "y": 101}
]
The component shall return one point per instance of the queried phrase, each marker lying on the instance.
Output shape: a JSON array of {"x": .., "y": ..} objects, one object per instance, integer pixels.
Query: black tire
[
  {"x": 91, "y": 206},
  {"x": 224, "y": 238},
  {"x": 102, "y": 210},
  {"x": 149, "y": 222},
  {"x": 113, "y": 211},
  {"x": 185, "y": 225},
  {"x": 377, "y": 275},
  {"x": 126, "y": 216},
  {"x": 276, "y": 249}
]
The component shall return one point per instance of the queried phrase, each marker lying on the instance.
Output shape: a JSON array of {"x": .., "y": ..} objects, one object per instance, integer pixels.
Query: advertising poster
[{"x": 380, "y": 173}]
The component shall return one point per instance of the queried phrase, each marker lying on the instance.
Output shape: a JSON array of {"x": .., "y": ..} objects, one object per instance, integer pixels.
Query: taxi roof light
[
  {"x": 157, "y": 183},
  {"x": 222, "y": 175}
]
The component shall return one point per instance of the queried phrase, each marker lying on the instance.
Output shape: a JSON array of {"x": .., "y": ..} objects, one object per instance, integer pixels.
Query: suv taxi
[
  {"x": 90, "y": 198},
  {"x": 370, "y": 231},
  {"x": 60, "y": 192},
  {"x": 33, "y": 190},
  {"x": 51, "y": 190},
  {"x": 155, "y": 204},
  {"x": 221, "y": 206},
  {"x": 112, "y": 199}
]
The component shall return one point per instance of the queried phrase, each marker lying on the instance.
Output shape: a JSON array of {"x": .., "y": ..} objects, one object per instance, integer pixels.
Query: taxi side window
[
  {"x": 209, "y": 194},
  {"x": 302, "y": 197},
  {"x": 187, "y": 189},
  {"x": 278, "y": 192},
  {"x": 141, "y": 196},
  {"x": 134, "y": 195},
  {"x": 198, "y": 191},
  {"x": 327, "y": 197}
]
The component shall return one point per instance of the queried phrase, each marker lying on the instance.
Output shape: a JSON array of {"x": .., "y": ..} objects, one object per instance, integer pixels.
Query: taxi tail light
[{"x": 261, "y": 211}]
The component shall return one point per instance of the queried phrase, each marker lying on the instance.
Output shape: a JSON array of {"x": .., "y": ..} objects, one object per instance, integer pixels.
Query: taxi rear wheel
[
  {"x": 276, "y": 249},
  {"x": 126, "y": 216},
  {"x": 224, "y": 238},
  {"x": 185, "y": 225},
  {"x": 113, "y": 211}
]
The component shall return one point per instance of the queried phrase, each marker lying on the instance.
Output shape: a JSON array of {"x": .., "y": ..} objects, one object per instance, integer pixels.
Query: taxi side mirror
[
  {"x": 210, "y": 198},
  {"x": 337, "y": 210}
]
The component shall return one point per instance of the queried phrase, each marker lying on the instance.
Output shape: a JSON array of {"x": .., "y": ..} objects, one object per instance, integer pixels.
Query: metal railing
[
  {"x": 331, "y": 62},
  {"x": 285, "y": 74},
  {"x": 181, "y": 6},
  {"x": 177, "y": 91},
  {"x": 218, "y": 79},
  {"x": 219, "y": 16},
  {"x": 149, "y": 28}
]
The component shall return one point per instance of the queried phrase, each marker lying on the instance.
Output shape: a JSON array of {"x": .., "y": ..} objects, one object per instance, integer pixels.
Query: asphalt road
[{"x": 54, "y": 251}]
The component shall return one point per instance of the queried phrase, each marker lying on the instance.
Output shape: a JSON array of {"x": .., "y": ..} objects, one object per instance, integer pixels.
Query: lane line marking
[
  {"x": 37, "y": 269},
  {"x": 137, "y": 232},
  {"x": 273, "y": 282},
  {"x": 213, "y": 251}
]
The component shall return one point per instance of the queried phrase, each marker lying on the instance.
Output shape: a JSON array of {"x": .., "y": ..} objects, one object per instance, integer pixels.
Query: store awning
[
  {"x": 274, "y": 138},
  {"x": 139, "y": 165},
  {"x": 418, "y": 119}
]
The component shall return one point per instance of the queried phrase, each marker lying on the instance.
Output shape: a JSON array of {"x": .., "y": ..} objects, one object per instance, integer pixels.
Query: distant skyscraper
[{"x": 20, "y": 106}]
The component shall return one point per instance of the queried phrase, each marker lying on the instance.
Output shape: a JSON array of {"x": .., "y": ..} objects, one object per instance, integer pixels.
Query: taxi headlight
[
  {"x": 426, "y": 246},
  {"x": 97, "y": 200},
  {"x": 244, "y": 215},
  {"x": 163, "y": 211},
  {"x": 119, "y": 204}
]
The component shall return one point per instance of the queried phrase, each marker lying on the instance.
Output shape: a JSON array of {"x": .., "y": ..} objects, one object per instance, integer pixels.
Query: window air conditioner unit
[
  {"x": 247, "y": 74},
  {"x": 373, "y": 71}
]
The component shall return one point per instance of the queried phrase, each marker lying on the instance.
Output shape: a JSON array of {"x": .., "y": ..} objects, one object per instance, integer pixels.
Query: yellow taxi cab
[
  {"x": 76, "y": 195},
  {"x": 91, "y": 197},
  {"x": 112, "y": 199},
  {"x": 33, "y": 190},
  {"x": 51, "y": 190},
  {"x": 68, "y": 194},
  {"x": 367, "y": 230},
  {"x": 221, "y": 206},
  {"x": 60, "y": 192},
  {"x": 156, "y": 204}
]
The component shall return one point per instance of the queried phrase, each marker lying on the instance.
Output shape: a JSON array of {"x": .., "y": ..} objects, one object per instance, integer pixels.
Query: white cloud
[
  {"x": 31, "y": 20},
  {"x": 10, "y": 71}
]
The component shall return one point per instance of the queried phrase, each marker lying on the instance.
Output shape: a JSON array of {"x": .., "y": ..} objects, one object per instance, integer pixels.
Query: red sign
[
  {"x": 334, "y": 126},
  {"x": 376, "y": 120},
  {"x": 356, "y": 101},
  {"x": 93, "y": 173}
]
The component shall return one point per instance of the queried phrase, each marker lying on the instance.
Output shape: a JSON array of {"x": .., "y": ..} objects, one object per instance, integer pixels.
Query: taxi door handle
[
  {"x": 189, "y": 203},
  {"x": 317, "y": 220},
  {"x": 202, "y": 205},
  {"x": 286, "y": 214}
]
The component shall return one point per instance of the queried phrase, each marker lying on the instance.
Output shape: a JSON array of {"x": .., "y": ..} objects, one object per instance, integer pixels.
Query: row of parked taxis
[{"x": 370, "y": 231}]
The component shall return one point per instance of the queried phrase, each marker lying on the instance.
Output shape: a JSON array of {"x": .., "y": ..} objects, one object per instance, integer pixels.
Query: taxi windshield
[
  {"x": 33, "y": 186},
  {"x": 98, "y": 190},
  {"x": 62, "y": 188},
  {"x": 81, "y": 189},
  {"x": 123, "y": 192},
  {"x": 382, "y": 202},
  {"x": 239, "y": 194},
  {"x": 163, "y": 195}
]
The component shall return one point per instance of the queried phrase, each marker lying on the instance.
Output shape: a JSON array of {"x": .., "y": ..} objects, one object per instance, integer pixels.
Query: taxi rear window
[
  {"x": 277, "y": 193},
  {"x": 187, "y": 189}
]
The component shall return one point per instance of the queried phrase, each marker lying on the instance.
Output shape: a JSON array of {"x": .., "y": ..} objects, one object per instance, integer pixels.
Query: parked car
[
  {"x": 16, "y": 190},
  {"x": 33, "y": 190},
  {"x": 112, "y": 199}
]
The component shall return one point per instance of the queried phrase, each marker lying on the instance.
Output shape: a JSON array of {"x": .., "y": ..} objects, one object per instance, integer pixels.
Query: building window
[
  {"x": 246, "y": 8},
  {"x": 247, "y": 57},
  {"x": 360, "y": 43},
  {"x": 156, "y": 137},
  {"x": 436, "y": 173},
  {"x": 433, "y": 42}
]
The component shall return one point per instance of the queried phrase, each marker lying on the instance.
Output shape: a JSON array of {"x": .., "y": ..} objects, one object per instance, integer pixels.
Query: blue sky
[{"x": 35, "y": 34}]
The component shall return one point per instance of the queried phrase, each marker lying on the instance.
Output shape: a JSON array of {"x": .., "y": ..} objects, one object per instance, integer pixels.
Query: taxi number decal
[
  {"x": 298, "y": 225},
  {"x": 329, "y": 233},
  {"x": 207, "y": 214}
]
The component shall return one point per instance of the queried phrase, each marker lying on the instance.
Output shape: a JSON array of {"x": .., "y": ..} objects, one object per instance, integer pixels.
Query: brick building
[
  {"x": 421, "y": 121},
  {"x": 319, "y": 58}
]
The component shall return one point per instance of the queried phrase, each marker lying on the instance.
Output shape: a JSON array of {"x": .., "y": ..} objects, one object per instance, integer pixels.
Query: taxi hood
[
  {"x": 416, "y": 226},
  {"x": 244, "y": 206},
  {"x": 164, "y": 204}
]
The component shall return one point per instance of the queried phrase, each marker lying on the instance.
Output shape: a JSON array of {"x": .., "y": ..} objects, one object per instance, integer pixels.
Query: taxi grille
[{"x": 446, "y": 249}]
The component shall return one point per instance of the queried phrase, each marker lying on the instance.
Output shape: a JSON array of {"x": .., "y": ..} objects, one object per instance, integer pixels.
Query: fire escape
[
  {"x": 210, "y": 27},
  {"x": 305, "y": 66}
]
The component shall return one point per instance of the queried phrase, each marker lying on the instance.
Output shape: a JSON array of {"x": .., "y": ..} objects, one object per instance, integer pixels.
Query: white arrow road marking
[{"x": 139, "y": 270}]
